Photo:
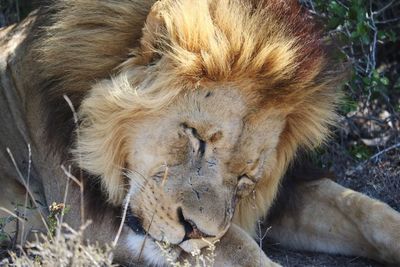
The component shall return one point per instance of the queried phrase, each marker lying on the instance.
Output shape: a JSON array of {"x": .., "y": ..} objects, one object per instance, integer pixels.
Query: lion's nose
[{"x": 191, "y": 230}]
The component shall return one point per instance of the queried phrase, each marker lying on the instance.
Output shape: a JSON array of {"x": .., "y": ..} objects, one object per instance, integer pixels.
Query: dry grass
[
  {"x": 66, "y": 248},
  {"x": 203, "y": 258}
]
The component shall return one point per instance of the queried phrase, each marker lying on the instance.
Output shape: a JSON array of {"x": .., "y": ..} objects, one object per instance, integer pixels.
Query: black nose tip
[{"x": 191, "y": 230}]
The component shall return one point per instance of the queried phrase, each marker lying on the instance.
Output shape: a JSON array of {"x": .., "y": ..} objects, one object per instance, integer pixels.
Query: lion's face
[
  {"x": 191, "y": 162},
  {"x": 188, "y": 163}
]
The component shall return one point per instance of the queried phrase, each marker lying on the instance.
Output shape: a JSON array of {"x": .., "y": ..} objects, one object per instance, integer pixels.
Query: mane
[
  {"x": 270, "y": 45},
  {"x": 234, "y": 40},
  {"x": 270, "y": 49},
  {"x": 79, "y": 43}
]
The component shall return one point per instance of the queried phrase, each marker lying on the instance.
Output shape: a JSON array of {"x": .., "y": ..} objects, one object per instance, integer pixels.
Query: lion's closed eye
[{"x": 160, "y": 176}]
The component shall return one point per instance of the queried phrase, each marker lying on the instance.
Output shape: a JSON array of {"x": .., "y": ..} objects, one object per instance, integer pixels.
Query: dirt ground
[{"x": 307, "y": 259}]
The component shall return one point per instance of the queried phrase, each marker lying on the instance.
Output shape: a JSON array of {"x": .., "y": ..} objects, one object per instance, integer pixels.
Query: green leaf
[
  {"x": 375, "y": 74},
  {"x": 366, "y": 80},
  {"x": 384, "y": 80},
  {"x": 357, "y": 11},
  {"x": 393, "y": 37},
  {"x": 348, "y": 105},
  {"x": 334, "y": 22},
  {"x": 396, "y": 85},
  {"x": 336, "y": 9},
  {"x": 360, "y": 151}
]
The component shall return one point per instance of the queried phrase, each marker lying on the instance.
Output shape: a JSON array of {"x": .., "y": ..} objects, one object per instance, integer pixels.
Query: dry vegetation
[
  {"x": 66, "y": 248},
  {"x": 365, "y": 152}
]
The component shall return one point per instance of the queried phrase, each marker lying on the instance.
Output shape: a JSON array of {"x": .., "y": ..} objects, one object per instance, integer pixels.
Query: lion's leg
[
  {"x": 237, "y": 248},
  {"x": 334, "y": 219}
]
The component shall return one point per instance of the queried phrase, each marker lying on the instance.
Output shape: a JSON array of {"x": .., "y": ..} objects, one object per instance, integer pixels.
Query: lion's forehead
[{"x": 242, "y": 131}]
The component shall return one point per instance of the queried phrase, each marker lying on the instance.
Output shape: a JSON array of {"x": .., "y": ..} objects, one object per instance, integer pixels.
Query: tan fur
[
  {"x": 193, "y": 109},
  {"x": 353, "y": 223},
  {"x": 194, "y": 46}
]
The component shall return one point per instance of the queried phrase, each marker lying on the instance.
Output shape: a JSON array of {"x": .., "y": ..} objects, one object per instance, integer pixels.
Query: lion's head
[{"x": 202, "y": 118}]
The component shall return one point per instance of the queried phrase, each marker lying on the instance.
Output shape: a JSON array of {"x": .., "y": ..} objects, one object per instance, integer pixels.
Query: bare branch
[
  {"x": 383, "y": 8},
  {"x": 385, "y": 151},
  {"x": 27, "y": 189}
]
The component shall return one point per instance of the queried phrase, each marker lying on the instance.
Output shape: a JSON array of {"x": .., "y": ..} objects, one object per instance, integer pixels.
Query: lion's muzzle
[
  {"x": 191, "y": 229},
  {"x": 194, "y": 237}
]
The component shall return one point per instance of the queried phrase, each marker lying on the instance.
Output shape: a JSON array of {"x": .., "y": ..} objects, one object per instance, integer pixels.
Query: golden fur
[
  {"x": 190, "y": 110},
  {"x": 269, "y": 49}
]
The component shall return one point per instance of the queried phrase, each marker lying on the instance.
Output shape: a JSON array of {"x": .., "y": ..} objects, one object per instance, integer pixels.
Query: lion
[{"x": 182, "y": 117}]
